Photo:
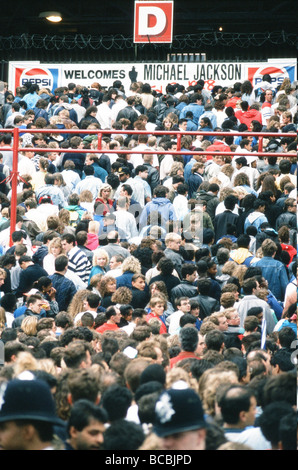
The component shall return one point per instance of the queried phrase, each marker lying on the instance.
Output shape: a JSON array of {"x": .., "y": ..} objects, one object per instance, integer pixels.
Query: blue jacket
[
  {"x": 275, "y": 273},
  {"x": 65, "y": 290},
  {"x": 196, "y": 109},
  {"x": 161, "y": 205}
]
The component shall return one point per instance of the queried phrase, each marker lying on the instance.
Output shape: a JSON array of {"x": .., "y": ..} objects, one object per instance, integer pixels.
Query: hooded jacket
[
  {"x": 247, "y": 117},
  {"x": 242, "y": 256},
  {"x": 161, "y": 205}
]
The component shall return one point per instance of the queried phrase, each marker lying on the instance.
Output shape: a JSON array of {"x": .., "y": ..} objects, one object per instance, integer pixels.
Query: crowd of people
[{"x": 148, "y": 297}]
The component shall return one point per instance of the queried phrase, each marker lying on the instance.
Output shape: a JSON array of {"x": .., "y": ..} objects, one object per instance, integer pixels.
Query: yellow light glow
[
  {"x": 54, "y": 19},
  {"x": 53, "y": 16}
]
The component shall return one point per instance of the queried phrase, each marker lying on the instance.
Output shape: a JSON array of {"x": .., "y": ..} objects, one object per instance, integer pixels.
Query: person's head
[
  {"x": 35, "y": 303},
  {"x": 269, "y": 248},
  {"x": 270, "y": 420},
  {"x": 61, "y": 263},
  {"x": 183, "y": 304},
  {"x": 138, "y": 281},
  {"x": 123, "y": 435},
  {"x": 116, "y": 400},
  {"x": 180, "y": 421},
  {"x": 86, "y": 425},
  {"x": 27, "y": 415},
  {"x": 113, "y": 315},
  {"x": 281, "y": 361},
  {"x": 238, "y": 407},
  {"x": 189, "y": 338},
  {"x": 214, "y": 340},
  {"x": 116, "y": 261},
  {"x": 77, "y": 355},
  {"x": 100, "y": 258},
  {"x": 157, "y": 305},
  {"x": 68, "y": 242}
]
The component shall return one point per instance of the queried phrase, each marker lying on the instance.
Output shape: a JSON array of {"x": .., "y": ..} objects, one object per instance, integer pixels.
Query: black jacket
[
  {"x": 207, "y": 304},
  {"x": 184, "y": 289}
]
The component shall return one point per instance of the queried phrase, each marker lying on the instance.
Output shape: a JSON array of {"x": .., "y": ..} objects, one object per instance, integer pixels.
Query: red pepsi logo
[
  {"x": 39, "y": 76},
  {"x": 277, "y": 74}
]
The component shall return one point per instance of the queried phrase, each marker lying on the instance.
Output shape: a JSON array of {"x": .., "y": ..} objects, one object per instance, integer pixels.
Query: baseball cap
[
  {"x": 45, "y": 199},
  {"x": 178, "y": 410},
  {"x": 27, "y": 400}
]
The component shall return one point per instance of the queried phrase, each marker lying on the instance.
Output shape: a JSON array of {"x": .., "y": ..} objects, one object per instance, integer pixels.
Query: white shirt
[
  {"x": 104, "y": 116},
  {"x": 126, "y": 222}
]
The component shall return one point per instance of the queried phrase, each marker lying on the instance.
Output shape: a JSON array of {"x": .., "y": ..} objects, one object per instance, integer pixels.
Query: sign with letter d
[{"x": 153, "y": 22}]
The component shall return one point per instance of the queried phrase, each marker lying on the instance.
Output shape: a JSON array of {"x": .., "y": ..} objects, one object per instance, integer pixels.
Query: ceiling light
[{"x": 53, "y": 16}]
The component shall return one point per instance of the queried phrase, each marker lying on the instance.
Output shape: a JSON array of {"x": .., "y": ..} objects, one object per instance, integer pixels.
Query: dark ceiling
[{"x": 116, "y": 17}]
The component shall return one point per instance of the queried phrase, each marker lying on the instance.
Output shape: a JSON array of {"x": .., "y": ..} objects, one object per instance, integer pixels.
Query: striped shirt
[{"x": 79, "y": 263}]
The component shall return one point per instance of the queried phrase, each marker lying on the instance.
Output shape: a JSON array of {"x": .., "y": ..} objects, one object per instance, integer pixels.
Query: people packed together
[{"x": 148, "y": 291}]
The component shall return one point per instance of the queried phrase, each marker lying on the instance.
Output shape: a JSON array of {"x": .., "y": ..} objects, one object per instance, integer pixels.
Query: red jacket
[
  {"x": 248, "y": 116},
  {"x": 182, "y": 355}
]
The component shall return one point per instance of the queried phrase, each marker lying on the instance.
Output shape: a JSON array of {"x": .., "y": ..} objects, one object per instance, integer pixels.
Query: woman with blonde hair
[
  {"x": 25, "y": 361},
  {"x": 103, "y": 203},
  {"x": 29, "y": 325},
  {"x": 76, "y": 305},
  {"x": 100, "y": 262},
  {"x": 86, "y": 200},
  {"x": 55, "y": 249},
  {"x": 130, "y": 266}
]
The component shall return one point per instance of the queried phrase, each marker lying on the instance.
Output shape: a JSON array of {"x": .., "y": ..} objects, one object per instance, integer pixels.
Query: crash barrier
[{"x": 100, "y": 133}]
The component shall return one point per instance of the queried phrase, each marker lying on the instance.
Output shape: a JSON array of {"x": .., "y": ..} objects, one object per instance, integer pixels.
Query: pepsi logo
[
  {"x": 277, "y": 75},
  {"x": 39, "y": 76}
]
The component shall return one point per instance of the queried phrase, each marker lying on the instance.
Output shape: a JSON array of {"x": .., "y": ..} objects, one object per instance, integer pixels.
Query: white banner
[{"x": 158, "y": 75}]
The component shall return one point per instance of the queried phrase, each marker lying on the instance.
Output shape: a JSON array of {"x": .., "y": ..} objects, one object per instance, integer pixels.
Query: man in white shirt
[
  {"x": 124, "y": 220},
  {"x": 104, "y": 113}
]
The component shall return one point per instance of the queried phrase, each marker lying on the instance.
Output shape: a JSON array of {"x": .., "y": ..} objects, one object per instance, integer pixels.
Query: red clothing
[
  {"x": 247, "y": 117},
  {"x": 92, "y": 241},
  {"x": 217, "y": 146},
  {"x": 182, "y": 355},
  {"x": 163, "y": 328},
  {"x": 105, "y": 327},
  {"x": 290, "y": 249},
  {"x": 233, "y": 102}
]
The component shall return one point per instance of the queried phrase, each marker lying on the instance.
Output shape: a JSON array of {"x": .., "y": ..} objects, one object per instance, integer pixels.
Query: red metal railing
[{"x": 16, "y": 148}]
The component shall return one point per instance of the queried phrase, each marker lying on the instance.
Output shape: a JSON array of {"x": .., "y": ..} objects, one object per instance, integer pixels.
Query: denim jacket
[{"x": 276, "y": 275}]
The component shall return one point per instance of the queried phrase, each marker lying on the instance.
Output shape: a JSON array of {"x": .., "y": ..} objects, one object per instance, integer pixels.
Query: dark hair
[
  {"x": 231, "y": 404},
  {"x": 189, "y": 338},
  {"x": 82, "y": 411}
]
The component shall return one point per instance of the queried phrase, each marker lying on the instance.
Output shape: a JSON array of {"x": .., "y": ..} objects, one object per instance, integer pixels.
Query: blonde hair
[
  {"x": 56, "y": 243},
  {"x": 132, "y": 264},
  {"x": 209, "y": 382},
  {"x": 25, "y": 361},
  {"x": 97, "y": 253},
  {"x": 29, "y": 325}
]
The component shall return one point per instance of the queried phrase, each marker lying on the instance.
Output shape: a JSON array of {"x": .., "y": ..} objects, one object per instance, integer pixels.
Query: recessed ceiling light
[{"x": 53, "y": 16}]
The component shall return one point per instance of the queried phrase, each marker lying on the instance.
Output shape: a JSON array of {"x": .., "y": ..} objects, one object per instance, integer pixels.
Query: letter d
[{"x": 161, "y": 21}]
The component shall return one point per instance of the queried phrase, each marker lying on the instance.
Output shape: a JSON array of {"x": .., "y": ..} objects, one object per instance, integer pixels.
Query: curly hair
[
  {"x": 123, "y": 296},
  {"x": 131, "y": 264},
  {"x": 241, "y": 179},
  {"x": 104, "y": 283}
]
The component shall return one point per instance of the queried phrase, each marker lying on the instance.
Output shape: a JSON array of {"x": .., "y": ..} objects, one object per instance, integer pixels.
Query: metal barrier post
[
  {"x": 99, "y": 141},
  {"x": 14, "y": 183}
]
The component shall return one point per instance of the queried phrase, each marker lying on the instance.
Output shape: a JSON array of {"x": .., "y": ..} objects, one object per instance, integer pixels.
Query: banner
[{"x": 158, "y": 75}]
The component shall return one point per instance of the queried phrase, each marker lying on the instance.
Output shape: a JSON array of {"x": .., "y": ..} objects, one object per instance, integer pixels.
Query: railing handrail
[{"x": 100, "y": 132}]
